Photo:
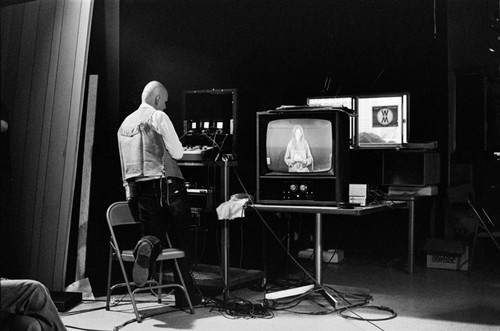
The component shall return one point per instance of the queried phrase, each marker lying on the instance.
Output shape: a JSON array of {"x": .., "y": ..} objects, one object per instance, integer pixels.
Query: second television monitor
[{"x": 381, "y": 121}]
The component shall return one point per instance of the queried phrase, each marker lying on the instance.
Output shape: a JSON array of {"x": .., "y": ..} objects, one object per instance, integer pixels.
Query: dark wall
[{"x": 280, "y": 52}]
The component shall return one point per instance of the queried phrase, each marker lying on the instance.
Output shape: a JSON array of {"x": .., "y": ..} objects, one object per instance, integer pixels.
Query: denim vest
[{"x": 142, "y": 151}]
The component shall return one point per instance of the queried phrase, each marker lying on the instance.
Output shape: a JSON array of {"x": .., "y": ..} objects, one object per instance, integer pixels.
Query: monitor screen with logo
[{"x": 382, "y": 120}]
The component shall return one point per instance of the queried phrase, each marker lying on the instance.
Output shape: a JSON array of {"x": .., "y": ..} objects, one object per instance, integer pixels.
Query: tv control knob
[
  {"x": 303, "y": 188},
  {"x": 293, "y": 188}
]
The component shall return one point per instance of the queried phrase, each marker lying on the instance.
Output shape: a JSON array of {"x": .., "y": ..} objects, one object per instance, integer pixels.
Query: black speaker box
[
  {"x": 64, "y": 301},
  {"x": 411, "y": 168}
]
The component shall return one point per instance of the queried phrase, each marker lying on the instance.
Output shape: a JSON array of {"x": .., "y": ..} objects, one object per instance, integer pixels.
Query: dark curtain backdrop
[{"x": 274, "y": 53}]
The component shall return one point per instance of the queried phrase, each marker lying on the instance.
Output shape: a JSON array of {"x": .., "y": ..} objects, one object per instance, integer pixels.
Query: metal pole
[
  {"x": 225, "y": 233},
  {"x": 411, "y": 234},
  {"x": 318, "y": 248}
]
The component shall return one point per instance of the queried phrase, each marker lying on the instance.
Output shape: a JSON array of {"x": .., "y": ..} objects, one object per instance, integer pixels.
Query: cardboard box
[
  {"x": 329, "y": 256},
  {"x": 447, "y": 254}
]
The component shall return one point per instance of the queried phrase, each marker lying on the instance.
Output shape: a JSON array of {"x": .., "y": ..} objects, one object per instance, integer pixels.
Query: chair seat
[{"x": 166, "y": 254}]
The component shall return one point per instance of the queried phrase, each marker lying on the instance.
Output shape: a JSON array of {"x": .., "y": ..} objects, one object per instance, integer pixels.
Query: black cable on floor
[
  {"x": 118, "y": 327},
  {"x": 342, "y": 313},
  {"x": 236, "y": 308},
  {"x": 78, "y": 328}
]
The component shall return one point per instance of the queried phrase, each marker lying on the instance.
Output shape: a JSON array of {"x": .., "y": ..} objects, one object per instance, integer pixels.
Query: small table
[
  {"x": 395, "y": 202},
  {"x": 318, "y": 224}
]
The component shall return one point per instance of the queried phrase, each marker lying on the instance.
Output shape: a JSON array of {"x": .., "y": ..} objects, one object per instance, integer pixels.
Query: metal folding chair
[
  {"x": 485, "y": 228},
  {"x": 119, "y": 216}
]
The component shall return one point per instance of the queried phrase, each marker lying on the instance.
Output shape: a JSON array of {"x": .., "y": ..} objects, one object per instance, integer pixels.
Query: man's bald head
[{"x": 155, "y": 94}]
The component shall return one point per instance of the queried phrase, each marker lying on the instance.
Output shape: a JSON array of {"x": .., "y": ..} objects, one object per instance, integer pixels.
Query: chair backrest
[
  {"x": 119, "y": 214},
  {"x": 122, "y": 225}
]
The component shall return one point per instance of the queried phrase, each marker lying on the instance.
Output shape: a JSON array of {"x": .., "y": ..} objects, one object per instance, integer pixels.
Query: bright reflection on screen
[{"x": 299, "y": 145}]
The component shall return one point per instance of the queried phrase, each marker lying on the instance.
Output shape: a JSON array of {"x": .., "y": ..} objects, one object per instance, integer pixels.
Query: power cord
[
  {"x": 350, "y": 307},
  {"x": 236, "y": 308},
  {"x": 343, "y": 313},
  {"x": 215, "y": 144}
]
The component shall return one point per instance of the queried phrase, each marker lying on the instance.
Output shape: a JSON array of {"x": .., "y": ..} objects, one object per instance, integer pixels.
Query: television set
[{"x": 302, "y": 156}]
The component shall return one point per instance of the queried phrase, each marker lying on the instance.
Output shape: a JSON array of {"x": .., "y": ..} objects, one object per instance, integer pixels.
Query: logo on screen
[{"x": 385, "y": 116}]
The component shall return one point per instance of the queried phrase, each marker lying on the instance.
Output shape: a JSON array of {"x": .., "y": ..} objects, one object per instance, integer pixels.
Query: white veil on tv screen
[{"x": 299, "y": 145}]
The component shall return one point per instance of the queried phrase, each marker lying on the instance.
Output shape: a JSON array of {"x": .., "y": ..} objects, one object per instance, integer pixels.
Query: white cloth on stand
[{"x": 231, "y": 209}]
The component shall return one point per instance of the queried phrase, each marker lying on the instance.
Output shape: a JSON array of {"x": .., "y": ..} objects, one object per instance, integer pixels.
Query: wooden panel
[
  {"x": 56, "y": 151},
  {"x": 36, "y": 123},
  {"x": 22, "y": 108},
  {"x": 86, "y": 178},
  {"x": 46, "y": 49},
  {"x": 82, "y": 37},
  {"x": 43, "y": 197},
  {"x": 11, "y": 47}
]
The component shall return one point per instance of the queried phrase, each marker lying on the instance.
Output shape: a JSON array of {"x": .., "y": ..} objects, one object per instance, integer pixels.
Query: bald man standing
[{"x": 154, "y": 185}]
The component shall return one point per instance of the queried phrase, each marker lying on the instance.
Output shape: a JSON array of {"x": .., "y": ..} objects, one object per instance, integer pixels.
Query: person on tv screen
[{"x": 298, "y": 156}]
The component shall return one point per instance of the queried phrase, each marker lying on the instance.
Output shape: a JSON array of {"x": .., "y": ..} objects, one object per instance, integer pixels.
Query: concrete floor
[{"x": 428, "y": 299}]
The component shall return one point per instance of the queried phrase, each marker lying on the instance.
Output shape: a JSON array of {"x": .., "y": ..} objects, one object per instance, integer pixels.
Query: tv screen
[
  {"x": 382, "y": 120},
  {"x": 299, "y": 145}
]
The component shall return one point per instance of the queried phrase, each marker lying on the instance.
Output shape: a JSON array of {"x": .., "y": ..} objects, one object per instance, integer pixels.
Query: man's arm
[{"x": 163, "y": 125}]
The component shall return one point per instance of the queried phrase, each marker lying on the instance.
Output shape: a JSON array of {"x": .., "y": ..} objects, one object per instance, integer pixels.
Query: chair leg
[
  {"x": 184, "y": 289},
  {"x": 473, "y": 248},
  {"x": 160, "y": 281},
  {"x": 481, "y": 224},
  {"x": 129, "y": 289},
  {"x": 110, "y": 266},
  {"x": 490, "y": 234},
  {"x": 131, "y": 293}
]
